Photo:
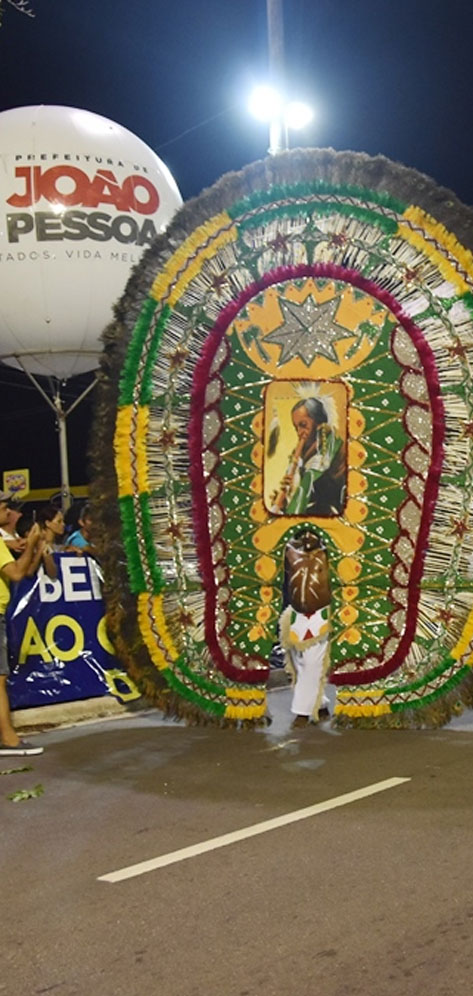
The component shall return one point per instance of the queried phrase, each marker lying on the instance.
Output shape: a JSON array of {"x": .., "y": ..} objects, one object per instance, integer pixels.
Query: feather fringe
[{"x": 391, "y": 186}]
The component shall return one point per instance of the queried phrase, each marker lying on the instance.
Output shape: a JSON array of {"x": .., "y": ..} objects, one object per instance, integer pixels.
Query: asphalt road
[{"x": 373, "y": 897}]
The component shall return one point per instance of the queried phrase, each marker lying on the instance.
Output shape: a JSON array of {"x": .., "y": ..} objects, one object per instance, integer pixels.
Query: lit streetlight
[
  {"x": 268, "y": 103},
  {"x": 297, "y": 115}
]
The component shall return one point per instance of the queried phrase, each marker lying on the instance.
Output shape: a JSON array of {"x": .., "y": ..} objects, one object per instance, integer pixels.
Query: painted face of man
[{"x": 305, "y": 426}]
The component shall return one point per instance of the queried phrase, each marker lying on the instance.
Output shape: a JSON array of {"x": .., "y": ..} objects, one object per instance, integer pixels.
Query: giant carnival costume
[{"x": 316, "y": 287}]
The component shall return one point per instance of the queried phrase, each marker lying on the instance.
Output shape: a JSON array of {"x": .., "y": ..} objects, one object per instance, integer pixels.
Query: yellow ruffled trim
[
  {"x": 342, "y": 708},
  {"x": 132, "y": 474},
  {"x": 462, "y": 646},
  {"x": 246, "y": 693},
  {"x": 121, "y": 445},
  {"x": 141, "y": 455},
  {"x": 374, "y": 693},
  {"x": 361, "y": 710},
  {"x": 161, "y": 659},
  {"x": 190, "y": 256},
  {"x": 245, "y": 712},
  {"x": 241, "y": 711},
  {"x": 445, "y": 239}
]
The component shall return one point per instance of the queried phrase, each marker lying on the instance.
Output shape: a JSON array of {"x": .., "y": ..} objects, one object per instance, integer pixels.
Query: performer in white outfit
[{"x": 305, "y": 625}]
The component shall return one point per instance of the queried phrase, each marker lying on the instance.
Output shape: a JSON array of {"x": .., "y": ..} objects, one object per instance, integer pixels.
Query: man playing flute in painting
[{"x": 315, "y": 480}]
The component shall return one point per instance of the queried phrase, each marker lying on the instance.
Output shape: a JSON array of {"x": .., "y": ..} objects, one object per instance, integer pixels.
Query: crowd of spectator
[
  {"x": 29, "y": 540},
  {"x": 69, "y": 533}
]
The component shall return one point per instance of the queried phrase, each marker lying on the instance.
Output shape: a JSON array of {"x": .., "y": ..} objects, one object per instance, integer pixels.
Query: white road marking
[{"x": 231, "y": 838}]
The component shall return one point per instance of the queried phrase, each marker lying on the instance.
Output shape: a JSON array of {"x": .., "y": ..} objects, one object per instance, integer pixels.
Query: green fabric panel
[
  {"x": 146, "y": 395},
  {"x": 387, "y": 225},
  {"x": 153, "y": 566},
  {"x": 129, "y": 534},
  {"x": 204, "y": 684},
  {"x": 439, "y": 693},
  {"x": 130, "y": 367},
  {"x": 413, "y": 686},
  {"x": 207, "y": 705},
  {"x": 276, "y": 193}
]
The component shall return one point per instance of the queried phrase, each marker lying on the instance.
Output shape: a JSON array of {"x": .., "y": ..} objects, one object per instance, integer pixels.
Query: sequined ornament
[
  {"x": 306, "y": 273},
  {"x": 308, "y": 330}
]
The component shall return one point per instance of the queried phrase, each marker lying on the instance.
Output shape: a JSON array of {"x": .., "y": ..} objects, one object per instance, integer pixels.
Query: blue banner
[{"x": 58, "y": 647}]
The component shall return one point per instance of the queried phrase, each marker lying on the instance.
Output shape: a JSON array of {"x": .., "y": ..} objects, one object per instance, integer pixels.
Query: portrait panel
[{"x": 305, "y": 451}]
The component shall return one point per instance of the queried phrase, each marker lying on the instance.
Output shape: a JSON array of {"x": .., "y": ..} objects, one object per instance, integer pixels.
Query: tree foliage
[{"x": 23, "y": 6}]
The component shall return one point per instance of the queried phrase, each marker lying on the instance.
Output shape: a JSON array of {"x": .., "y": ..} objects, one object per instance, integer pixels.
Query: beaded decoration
[{"x": 343, "y": 277}]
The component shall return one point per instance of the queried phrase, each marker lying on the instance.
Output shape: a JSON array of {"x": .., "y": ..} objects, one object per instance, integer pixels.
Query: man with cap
[
  {"x": 12, "y": 570},
  {"x": 9, "y": 532}
]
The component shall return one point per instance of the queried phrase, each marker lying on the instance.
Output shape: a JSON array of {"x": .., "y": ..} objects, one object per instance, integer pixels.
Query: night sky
[{"x": 395, "y": 79}]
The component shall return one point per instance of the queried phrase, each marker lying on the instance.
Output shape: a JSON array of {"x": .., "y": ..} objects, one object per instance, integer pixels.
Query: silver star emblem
[{"x": 308, "y": 330}]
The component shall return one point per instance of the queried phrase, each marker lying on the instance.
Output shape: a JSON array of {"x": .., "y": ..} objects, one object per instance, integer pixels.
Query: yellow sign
[{"x": 17, "y": 481}]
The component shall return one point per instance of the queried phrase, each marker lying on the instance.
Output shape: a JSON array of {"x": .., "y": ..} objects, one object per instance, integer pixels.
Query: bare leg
[{"x": 8, "y": 736}]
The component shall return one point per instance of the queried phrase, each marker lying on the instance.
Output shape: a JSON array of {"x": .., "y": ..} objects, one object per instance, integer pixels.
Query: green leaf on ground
[
  {"x": 23, "y": 794},
  {"x": 16, "y": 771}
]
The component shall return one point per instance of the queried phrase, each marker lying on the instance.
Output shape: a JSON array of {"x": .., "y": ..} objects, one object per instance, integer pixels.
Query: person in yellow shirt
[
  {"x": 9, "y": 533},
  {"x": 12, "y": 570}
]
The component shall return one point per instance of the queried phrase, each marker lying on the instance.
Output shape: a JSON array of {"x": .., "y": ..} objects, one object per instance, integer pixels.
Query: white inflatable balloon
[{"x": 81, "y": 198}]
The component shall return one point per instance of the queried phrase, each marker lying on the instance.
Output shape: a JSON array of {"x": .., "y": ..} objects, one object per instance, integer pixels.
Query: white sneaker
[{"x": 24, "y": 749}]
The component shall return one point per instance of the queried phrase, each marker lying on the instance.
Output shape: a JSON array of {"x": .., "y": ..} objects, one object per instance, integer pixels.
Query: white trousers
[{"x": 310, "y": 679}]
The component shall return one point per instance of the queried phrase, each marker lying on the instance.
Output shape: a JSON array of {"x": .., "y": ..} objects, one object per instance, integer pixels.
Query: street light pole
[
  {"x": 61, "y": 414},
  {"x": 277, "y": 131},
  {"x": 270, "y": 102}
]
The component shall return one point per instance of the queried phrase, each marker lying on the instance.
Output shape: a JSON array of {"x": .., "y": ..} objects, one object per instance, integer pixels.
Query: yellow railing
[{"x": 45, "y": 494}]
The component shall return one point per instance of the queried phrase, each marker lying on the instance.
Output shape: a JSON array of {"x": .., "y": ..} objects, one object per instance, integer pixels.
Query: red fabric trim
[{"x": 200, "y": 506}]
